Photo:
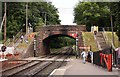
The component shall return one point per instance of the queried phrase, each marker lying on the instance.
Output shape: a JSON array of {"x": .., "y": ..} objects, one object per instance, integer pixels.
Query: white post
[
  {"x": 13, "y": 43},
  {"x": 76, "y": 41}
]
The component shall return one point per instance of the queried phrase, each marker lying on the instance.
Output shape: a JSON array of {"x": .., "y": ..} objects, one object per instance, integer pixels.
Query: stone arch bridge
[{"x": 44, "y": 33}]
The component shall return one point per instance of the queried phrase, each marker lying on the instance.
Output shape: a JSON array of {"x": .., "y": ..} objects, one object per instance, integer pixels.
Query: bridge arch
[
  {"x": 47, "y": 41},
  {"x": 54, "y": 31}
]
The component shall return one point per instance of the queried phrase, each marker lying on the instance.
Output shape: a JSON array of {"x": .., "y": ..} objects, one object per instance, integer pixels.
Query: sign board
[
  {"x": 31, "y": 35},
  {"x": 73, "y": 35}
]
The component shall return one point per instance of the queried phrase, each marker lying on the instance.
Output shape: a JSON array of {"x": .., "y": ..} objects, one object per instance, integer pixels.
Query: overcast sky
[{"x": 65, "y": 8}]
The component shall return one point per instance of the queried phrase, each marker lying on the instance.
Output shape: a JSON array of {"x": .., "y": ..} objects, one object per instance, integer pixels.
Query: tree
[
  {"x": 16, "y": 15},
  {"x": 62, "y": 41},
  {"x": 92, "y": 13},
  {"x": 115, "y": 9}
]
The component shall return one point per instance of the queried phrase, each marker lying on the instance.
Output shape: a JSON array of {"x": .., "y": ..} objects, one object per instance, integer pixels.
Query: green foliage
[
  {"x": 92, "y": 13},
  {"x": 89, "y": 40},
  {"x": 109, "y": 36},
  {"x": 60, "y": 42},
  {"x": 115, "y": 9},
  {"x": 16, "y": 15}
]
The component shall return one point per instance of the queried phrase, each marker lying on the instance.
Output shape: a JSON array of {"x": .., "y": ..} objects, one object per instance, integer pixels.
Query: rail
[
  {"x": 105, "y": 37},
  {"x": 17, "y": 36},
  {"x": 9, "y": 42},
  {"x": 97, "y": 42},
  {"x": 34, "y": 67}
]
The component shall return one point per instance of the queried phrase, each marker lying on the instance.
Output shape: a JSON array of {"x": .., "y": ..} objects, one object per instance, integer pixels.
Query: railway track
[
  {"x": 35, "y": 68},
  {"x": 21, "y": 67}
]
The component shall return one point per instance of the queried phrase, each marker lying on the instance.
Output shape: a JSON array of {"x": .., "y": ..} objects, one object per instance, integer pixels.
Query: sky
[{"x": 65, "y": 8}]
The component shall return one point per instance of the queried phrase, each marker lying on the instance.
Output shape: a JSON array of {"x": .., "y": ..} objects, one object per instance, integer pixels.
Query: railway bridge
[{"x": 47, "y": 32}]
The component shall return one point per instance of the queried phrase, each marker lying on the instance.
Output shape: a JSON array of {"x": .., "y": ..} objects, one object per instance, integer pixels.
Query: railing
[
  {"x": 105, "y": 37},
  {"x": 105, "y": 28},
  {"x": 18, "y": 36},
  {"x": 9, "y": 41},
  {"x": 97, "y": 42}
]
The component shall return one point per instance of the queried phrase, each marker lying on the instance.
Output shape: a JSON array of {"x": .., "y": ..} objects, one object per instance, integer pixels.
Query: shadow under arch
[{"x": 47, "y": 41}]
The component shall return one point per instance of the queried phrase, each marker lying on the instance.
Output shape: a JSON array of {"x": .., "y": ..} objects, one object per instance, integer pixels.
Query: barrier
[
  {"x": 9, "y": 53},
  {"x": 103, "y": 58}
]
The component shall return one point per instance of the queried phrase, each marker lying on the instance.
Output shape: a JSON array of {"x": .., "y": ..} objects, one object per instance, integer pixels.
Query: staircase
[{"x": 101, "y": 41}]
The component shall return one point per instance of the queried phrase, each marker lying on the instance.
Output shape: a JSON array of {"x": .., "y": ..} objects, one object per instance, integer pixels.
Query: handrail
[
  {"x": 15, "y": 39},
  {"x": 98, "y": 45},
  {"x": 105, "y": 37},
  {"x": 110, "y": 43},
  {"x": 17, "y": 36}
]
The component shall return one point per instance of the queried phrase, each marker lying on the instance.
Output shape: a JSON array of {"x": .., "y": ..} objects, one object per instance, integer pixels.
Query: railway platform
[{"x": 75, "y": 67}]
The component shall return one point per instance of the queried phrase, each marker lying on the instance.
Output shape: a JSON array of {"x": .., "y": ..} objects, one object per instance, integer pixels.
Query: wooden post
[
  {"x": 26, "y": 18},
  {"x": 5, "y": 25}
]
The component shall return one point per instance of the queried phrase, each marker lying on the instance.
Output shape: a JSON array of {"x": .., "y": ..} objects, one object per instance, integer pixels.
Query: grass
[
  {"x": 1, "y": 41},
  {"x": 24, "y": 44},
  {"x": 88, "y": 39},
  {"x": 109, "y": 35}
]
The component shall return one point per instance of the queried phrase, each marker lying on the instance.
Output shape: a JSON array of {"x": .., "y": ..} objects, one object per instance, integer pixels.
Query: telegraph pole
[
  {"x": 112, "y": 28},
  {"x": 5, "y": 25},
  {"x": 111, "y": 25},
  {"x": 45, "y": 18},
  {"x": 26, "y": 17}
]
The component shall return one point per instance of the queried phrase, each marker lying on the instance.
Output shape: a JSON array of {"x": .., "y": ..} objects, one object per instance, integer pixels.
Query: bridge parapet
[{"x": 63, "y": 28}]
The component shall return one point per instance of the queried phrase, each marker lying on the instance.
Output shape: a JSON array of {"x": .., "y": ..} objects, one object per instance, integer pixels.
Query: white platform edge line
[{"x": 54, "y": 72}]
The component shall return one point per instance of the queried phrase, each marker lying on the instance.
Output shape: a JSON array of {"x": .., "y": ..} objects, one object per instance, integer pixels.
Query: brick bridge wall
[{"x": 47, "y": 31}]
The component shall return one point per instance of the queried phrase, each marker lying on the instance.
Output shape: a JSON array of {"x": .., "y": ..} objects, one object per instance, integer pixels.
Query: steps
[{"x": 101, "y": 41}]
